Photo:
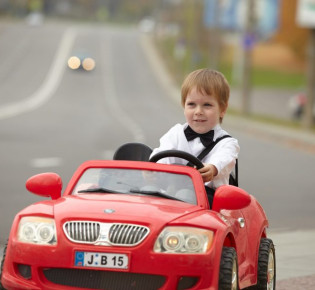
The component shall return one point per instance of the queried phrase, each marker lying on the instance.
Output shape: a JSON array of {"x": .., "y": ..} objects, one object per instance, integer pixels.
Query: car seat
[
  {"x": 234, "y": 175},
  {"x": 133, "y": 151}
]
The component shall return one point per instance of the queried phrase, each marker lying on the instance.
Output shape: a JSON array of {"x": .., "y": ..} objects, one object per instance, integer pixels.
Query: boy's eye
[
  {"x": 190, "y": 104},
  {"x": 208, "y": 105}
]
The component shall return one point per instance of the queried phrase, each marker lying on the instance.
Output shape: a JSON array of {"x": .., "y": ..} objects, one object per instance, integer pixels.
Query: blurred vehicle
[
  {"x": 81, "y": 61},
  {"x": 297, "y": 105},
  {"x": 147, "y": 25},
  {"x": 138, "y": 225},
  {"x": 35, "y": 18}
]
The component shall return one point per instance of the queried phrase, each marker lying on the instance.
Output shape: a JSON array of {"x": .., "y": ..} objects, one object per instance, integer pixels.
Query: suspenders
[{"x": 233, "y": 179}]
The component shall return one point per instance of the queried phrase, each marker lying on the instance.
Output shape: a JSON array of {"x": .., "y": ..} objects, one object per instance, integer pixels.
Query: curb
[{"x": 289, "y": 137}]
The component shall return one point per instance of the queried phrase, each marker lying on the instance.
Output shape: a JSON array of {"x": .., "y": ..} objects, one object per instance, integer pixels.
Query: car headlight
[
  {"x": 183, "y": 240},
  {"x": 88, "y": 64},
  {"x": 37, "y": 230},
  {"x": 74, "y": 62}
]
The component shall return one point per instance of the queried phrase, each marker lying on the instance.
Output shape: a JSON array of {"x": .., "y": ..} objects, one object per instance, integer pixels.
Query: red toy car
[{"x": 138, "y": 225}]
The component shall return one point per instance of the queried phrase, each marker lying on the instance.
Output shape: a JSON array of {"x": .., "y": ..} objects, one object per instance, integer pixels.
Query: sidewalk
[
  {"x": 296, "y": 138},
  {"x": 304, "y": 283},
  {"x": 295, "y": 257}
]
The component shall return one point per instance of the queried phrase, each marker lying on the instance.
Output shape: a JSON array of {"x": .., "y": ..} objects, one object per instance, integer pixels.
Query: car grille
[
  {"x": 95, "y": 279},
  {"x": 105, "y": 233},
  {"x": 81, "y": 231}
]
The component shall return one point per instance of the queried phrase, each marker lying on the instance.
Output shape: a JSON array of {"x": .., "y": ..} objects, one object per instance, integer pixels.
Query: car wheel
[
  {"x": 228, "y": 277},
  {"x": 2, "y": 263},
  {"x": 266, "y": 275}
]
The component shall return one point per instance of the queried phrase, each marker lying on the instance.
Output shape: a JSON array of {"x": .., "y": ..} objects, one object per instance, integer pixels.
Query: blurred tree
[
  {"x": 289, "y": 33},
  {"x": 35, "y": 5},
  {"x": 248, "y": 39},
  {"x": 310, "y": 90}
]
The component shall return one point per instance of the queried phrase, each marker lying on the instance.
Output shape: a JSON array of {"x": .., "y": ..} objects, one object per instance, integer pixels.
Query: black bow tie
[{"x": 205, "y": 138}]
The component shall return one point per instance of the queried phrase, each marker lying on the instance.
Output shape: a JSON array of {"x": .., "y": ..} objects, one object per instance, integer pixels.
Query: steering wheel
[{"x": 177, "y": 153}]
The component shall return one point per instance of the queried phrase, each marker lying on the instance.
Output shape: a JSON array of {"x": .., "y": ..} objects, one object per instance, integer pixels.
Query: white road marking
[
  {"x": 111, "y": 95},
  {"x": 46, "y": 162},
  {"x": 50, "y": 84}
]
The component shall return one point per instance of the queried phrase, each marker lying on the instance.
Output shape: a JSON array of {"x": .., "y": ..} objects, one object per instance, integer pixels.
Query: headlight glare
[
  {"x": 37, "y": 230},
  {"x": 74, "y": 62},
  {"x": 183, "y": 240},
  {"x": 88, "y": 64}
]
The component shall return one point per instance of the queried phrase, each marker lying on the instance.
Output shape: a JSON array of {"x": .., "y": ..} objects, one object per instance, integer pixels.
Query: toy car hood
[{"x": 119, "y": 208}]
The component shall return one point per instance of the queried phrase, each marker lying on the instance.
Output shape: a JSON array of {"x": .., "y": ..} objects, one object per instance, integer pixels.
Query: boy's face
[{"x": 202, "y": 112}]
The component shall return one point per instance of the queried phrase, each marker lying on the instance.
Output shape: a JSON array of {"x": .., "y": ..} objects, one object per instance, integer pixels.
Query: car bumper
[{"x": 40, "y": 267}]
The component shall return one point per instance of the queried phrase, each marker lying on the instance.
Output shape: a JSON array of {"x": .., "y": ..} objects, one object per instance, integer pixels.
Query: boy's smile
[{"x": 202, "y": 112}]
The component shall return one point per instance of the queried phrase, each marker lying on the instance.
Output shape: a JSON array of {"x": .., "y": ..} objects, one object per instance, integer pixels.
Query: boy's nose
[{"x": 198, "y": 110}]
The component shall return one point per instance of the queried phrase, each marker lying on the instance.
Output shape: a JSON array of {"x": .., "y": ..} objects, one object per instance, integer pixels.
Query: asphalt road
[{"x": 52, "y": 119}]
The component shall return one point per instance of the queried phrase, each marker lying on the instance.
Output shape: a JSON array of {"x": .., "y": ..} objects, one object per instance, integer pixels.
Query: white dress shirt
[{"x": 223, "y": 155}]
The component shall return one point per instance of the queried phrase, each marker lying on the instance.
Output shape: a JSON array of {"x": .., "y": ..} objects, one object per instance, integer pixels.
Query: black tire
[
  {"x": 266, "y": 280},
  {"x": 228, "y": 276},
  {"x": 266, "y": 275},
  {"x": 1, "y": 266}
]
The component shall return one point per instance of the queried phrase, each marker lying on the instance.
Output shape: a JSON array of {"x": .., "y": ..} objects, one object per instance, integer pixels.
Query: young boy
[{"x": 205, "y": 95}]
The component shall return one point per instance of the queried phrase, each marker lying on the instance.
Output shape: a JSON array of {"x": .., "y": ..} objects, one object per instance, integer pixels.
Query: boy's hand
[{"x": 208, "y": 172}]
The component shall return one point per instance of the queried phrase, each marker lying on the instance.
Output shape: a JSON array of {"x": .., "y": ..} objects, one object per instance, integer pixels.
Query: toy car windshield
[{"x": 132, "y": 181}]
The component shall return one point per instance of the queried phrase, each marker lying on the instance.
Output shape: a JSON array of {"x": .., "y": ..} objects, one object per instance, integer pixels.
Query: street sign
[
  {"x": 305, "y": 15},
  {"x": 231, "y": 15}
]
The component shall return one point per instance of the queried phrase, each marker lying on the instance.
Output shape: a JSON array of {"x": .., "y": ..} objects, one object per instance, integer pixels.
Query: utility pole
[
  {"x": 216, "y": 38},
  {"x": 310, "y": 90},
  {"x": 248, "y": 42},
  {"x": 305, "y": 17}
]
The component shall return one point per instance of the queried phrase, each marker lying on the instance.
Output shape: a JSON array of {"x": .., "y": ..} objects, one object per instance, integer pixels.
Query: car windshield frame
[{"x": 169, "y": 185}]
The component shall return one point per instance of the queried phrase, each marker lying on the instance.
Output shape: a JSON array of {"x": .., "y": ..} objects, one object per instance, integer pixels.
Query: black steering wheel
[{"x": 177, "y": 153}]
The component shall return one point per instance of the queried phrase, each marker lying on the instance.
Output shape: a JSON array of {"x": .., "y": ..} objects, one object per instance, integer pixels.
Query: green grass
[
  {"x": 261, "y": 78},
  {"x": 269, "y": 78},
  {"x": 277, "y": 79}
]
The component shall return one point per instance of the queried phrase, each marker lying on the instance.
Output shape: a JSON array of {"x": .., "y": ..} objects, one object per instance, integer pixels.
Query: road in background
[
  {"x": 83, "y": 115},
  {"x": 87, "y": 115}
]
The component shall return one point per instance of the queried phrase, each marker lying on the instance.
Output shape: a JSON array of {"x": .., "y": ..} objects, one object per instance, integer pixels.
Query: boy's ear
[{"x": 222, "y": 112}]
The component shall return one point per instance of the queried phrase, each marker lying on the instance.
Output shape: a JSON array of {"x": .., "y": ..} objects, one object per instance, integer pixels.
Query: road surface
[{"x": 52, "y": 119}]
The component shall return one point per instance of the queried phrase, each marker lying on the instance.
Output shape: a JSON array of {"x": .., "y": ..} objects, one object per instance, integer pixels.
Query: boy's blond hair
[{"x": 208, "y": 82}]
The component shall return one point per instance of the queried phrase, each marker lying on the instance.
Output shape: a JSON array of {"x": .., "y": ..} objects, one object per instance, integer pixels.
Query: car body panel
[{"x": 240, "y": 228}]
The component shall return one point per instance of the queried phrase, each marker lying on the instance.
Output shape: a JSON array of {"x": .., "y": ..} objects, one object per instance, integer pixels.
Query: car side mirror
[
  {"x": 230, "y": 197},
  {"x": 45, "y": 184}
]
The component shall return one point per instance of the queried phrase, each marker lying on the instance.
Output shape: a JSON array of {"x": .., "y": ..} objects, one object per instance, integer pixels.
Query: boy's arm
[
  {"x": 223, "y": 155},
  {"x": 208, "y": 172},
  {"x": 221, "y": 161}
]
